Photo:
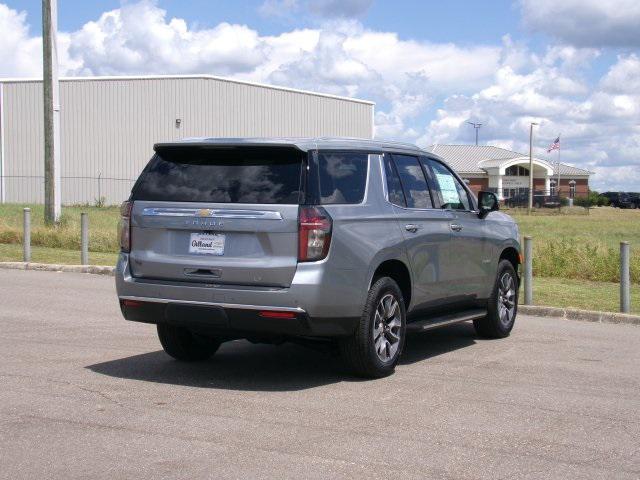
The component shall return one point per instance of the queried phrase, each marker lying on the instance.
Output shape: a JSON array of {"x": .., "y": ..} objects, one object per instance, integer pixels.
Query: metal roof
[
  {"x": 305, "y": 144},
  {"x": 187, "y": 77},
  {"x": 472, "y": 159}
]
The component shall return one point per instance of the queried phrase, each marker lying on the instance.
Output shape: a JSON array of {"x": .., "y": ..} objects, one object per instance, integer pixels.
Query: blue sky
[{"x": 573, "y": 66}]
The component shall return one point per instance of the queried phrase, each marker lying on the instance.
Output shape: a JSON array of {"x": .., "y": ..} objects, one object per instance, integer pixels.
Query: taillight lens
[
  {"x": 314, "y": 234},
  {"x": 125, "y": 226}
]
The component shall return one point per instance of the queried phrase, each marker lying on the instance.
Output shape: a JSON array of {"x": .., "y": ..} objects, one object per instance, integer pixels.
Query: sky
[{"x": 573, "y": 66}]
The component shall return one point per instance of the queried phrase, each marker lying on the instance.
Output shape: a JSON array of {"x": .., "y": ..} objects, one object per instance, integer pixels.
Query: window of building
[
  {"x": 516, "y": 171},
  {"x": 552, "y": 188},
  {"x": 572, "y": 188}
]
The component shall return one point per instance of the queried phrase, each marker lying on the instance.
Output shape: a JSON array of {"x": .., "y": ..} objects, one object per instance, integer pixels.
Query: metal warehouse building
[{"x": 109, "y": 125}]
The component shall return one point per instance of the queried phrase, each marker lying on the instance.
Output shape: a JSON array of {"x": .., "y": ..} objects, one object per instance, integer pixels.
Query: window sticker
[{"x": 448, "y": 189}]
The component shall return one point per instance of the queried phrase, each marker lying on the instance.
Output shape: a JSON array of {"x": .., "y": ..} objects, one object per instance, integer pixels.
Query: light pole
[
  {"x": 476, "y": 126},
  {"x": 531, "y": 167}
]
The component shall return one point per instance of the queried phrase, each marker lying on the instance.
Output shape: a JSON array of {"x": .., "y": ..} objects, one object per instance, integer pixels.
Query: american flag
[{"x": 555, "y": 145}]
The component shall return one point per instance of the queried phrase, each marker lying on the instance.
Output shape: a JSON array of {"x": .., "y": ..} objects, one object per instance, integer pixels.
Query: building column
[{"x": 547, "y": 185}]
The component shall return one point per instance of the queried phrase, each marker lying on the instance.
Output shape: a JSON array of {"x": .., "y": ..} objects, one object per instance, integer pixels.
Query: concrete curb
[
  {"x": 537, "y": 311},
  {"x": 47, "y": 267},
  {"x": 576, "y": 314}
]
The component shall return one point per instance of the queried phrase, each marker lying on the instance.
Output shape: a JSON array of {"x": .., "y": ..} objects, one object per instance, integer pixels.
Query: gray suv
[{"x": 349, "y": 242}]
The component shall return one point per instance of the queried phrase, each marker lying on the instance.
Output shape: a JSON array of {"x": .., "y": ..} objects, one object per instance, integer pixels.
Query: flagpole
[{"x": 559, "y": 148}]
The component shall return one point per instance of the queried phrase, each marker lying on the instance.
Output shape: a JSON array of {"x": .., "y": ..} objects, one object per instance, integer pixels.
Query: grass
[
  {"x": 13, "y": 253},
  {"x": 583, "y": 294},
  {"x": 582, "y": 247},
  {"x": 103, "y": 223}
]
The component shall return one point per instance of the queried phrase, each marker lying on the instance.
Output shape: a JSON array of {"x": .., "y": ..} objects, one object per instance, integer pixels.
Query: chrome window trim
[{"x": 211, "y": 212}]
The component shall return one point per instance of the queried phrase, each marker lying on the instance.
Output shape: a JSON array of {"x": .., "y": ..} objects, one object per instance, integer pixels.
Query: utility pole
[
  {"x": 531, "y": 167},
  {"x": 51, "y": 90},
  {"x": 476, "y": 126}
]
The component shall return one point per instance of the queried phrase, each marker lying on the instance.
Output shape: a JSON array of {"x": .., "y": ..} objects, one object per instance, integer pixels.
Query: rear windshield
[{"x": 231, "y": 175}]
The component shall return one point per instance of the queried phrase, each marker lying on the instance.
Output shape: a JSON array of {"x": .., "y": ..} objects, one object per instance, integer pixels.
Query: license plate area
[{"x": 202, "y": 243}]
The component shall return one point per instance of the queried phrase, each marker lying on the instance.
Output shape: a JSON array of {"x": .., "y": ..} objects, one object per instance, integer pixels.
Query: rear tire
[
  {"x": 502, "y": 306},
  {"x": 184, "y": 345},
  {"x": 374, "y": 349}
]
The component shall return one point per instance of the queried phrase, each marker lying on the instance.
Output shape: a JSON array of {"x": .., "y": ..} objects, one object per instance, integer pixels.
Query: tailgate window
[{"x": 222, "y": 175}]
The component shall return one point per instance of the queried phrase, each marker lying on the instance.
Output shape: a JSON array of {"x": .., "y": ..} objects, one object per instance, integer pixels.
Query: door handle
[
  {"x": 410, "y": 227},
  {"x": 456, "y": 227}
]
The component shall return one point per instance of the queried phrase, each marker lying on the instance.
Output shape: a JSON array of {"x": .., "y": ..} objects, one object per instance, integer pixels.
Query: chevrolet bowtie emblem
[{"x": 205, "y": 212}]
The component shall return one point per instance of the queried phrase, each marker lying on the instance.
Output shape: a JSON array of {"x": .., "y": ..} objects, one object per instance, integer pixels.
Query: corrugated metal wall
[{"x": 108, "y": 127}]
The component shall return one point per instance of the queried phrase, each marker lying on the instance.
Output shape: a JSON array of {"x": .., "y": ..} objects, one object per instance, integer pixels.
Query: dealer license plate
[{"x": 207, "y": 243}]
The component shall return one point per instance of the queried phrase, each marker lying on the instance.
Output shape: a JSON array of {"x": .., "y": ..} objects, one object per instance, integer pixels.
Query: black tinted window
[
  {"x": 343, "y": 177},
  {"x": 235, "y": 175},
  {"x": 413, "y": 182},
  {"x": 396, "y": 196}
]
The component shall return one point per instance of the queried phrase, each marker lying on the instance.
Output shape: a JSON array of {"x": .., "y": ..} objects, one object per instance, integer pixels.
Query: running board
[{"x": 444, "y": 320}]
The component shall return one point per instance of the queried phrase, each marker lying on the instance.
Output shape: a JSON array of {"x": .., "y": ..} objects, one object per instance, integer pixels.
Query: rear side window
[
  {"x": 394, "y": 188},
  {"x": 228, "y": 175},
  {"x": 343, "y": 177},
  {"x": 413, "y": 182}
]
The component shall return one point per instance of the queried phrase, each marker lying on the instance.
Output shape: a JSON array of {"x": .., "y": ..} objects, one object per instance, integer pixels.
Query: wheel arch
[
  {"x": 399, "y": 272},
  {"x": 512, "y": 255}
]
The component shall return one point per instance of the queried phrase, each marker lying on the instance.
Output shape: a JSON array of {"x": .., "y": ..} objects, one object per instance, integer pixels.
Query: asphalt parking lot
[{"x": 85, "y": 394}]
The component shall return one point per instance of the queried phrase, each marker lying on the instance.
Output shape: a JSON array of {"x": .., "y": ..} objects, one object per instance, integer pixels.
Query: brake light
[
  {"x": 314, "y": 234},
  {"x": 125, "y": 226}
]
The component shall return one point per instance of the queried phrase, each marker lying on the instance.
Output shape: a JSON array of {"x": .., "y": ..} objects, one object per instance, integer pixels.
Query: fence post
[
  {"x": 26, "y": 243},
  {"x": 528, "y": 271},
  {"x": 84, "y": 239},
  {"x": 624, "y": 278}
]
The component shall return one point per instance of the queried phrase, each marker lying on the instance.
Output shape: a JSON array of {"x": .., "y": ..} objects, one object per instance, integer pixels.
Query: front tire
[
  {"x": 502, "y": 306},
  {"x": 374, "y": 349},
  {"x": 184, "y": 345}
]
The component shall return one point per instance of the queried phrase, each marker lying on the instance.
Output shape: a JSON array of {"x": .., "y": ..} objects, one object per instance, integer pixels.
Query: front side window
[
  {"x": 413, "y": 181},
  {"x": 453, "y": 195},
  {"x": 343, "y": 177}
]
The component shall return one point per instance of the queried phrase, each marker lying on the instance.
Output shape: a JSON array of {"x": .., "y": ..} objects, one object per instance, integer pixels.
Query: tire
[
  {"x": 360, "y": 350},
  {"x": 183, "y": 345},
  {"x": 502, "y": 306}
]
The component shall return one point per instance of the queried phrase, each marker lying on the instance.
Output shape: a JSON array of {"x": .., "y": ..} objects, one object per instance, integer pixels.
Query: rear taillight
[
  {"x": 125, "y": 226},
  {"x": 314, "y": 234}
]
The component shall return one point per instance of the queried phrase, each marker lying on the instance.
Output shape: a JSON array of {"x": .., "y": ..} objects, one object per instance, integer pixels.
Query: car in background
[
  {"x": 621, "y": 199},
  {"x": 539, "y": 200}
]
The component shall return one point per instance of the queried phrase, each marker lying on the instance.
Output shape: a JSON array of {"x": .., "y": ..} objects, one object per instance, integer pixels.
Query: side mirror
[{"x": 487, "y": 202}]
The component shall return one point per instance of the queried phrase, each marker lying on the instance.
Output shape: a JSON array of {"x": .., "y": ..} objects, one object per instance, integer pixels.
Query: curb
[
  {"x": 582, "y": 315},
  {"x": 48, "y": 267}
]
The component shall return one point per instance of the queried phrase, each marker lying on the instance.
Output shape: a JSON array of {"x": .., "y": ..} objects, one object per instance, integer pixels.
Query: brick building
[{"x": 506, "y": 173}]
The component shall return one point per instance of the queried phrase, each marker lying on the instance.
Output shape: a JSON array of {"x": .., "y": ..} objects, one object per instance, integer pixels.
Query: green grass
[
  {"x": 585, "y": 246},
  {"x": 103, "y": 223},
  {"x": 586, "y": 295},
  {"x": 13, "y": 253}
]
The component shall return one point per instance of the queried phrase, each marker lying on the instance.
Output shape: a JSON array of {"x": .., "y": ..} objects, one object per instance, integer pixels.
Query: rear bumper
[{"x": 309, "y": 307}]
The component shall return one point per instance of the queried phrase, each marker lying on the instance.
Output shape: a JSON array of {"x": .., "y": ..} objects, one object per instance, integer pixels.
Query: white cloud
[
  {"x": 600, "y": 127},
  {"x": 593, "y": 23},
  {"x": 20, "y": 54}
]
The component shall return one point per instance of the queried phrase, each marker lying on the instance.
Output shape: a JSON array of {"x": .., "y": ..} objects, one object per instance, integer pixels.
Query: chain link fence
[{"x": 76, "y": 190}]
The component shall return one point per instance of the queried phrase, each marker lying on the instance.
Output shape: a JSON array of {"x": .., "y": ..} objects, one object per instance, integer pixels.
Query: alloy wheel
[
  {"x": 386, "y": 327},
  {"x": 506, "y": 299}
]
